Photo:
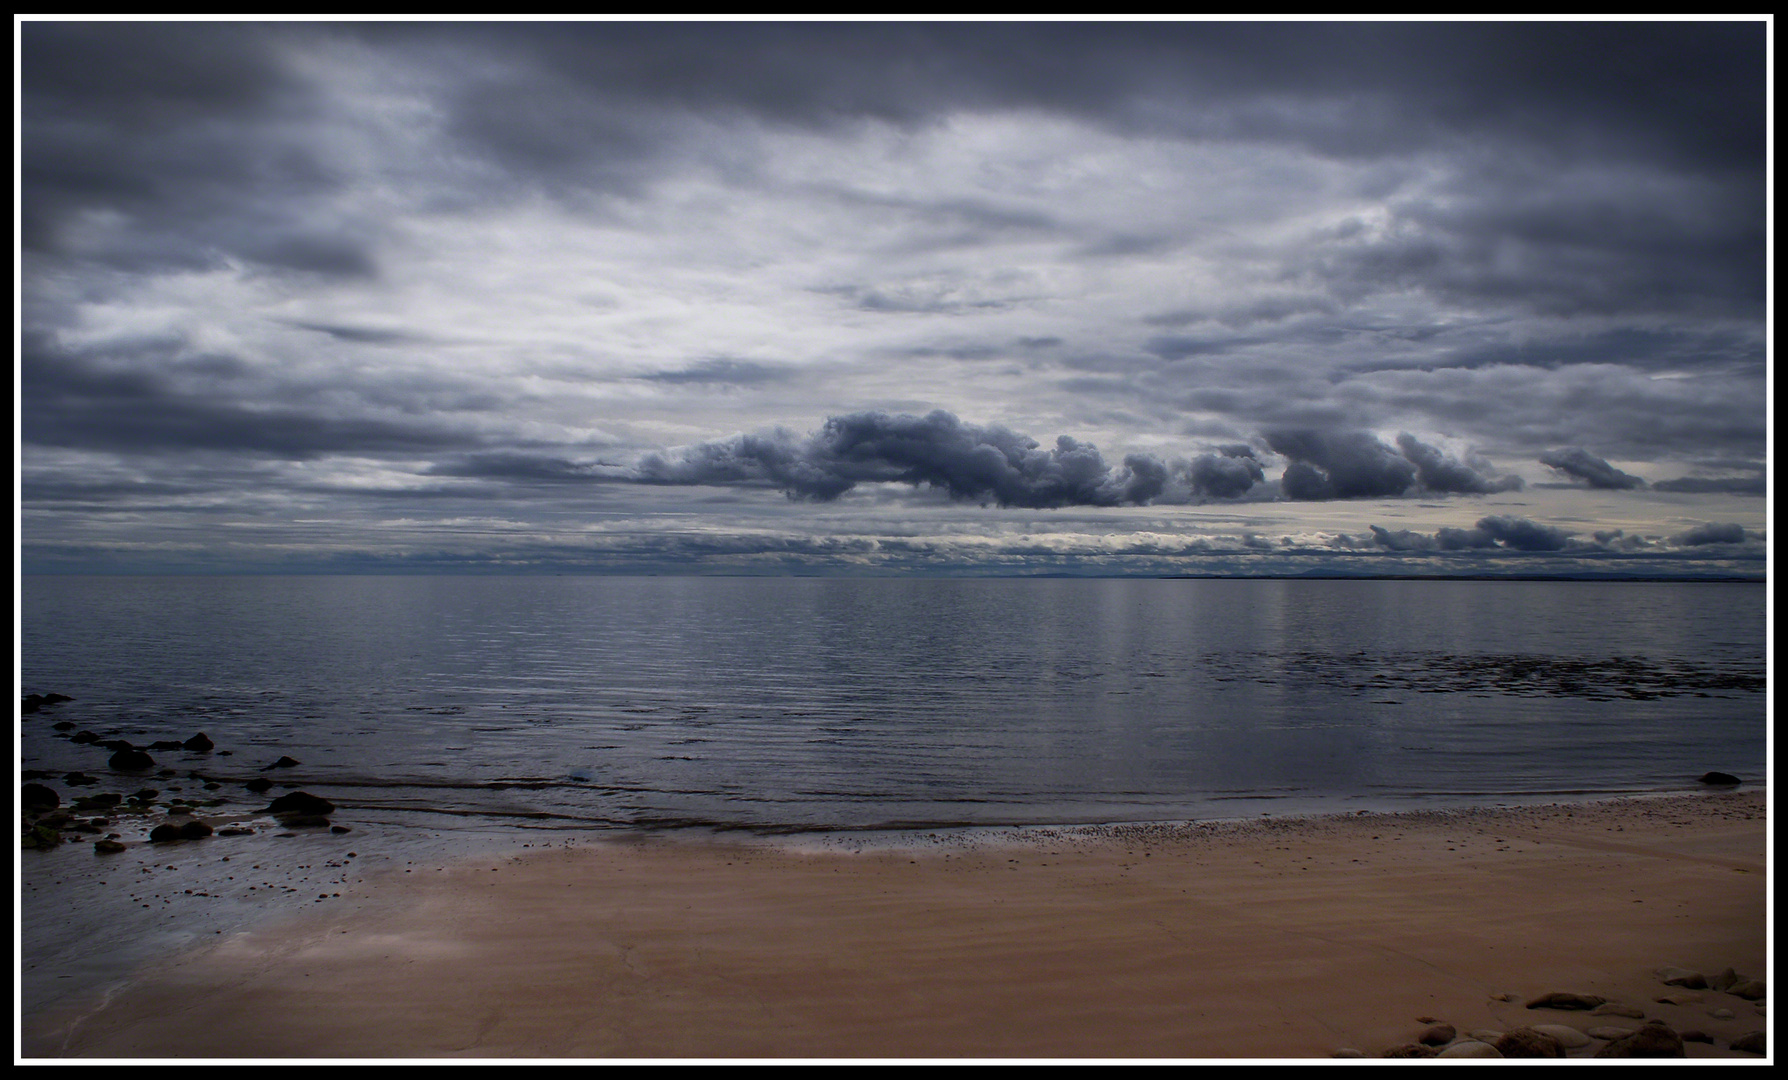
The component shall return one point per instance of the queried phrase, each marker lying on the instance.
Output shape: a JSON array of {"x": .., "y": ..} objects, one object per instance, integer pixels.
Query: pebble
[{"x": 1469, "y": 1048}]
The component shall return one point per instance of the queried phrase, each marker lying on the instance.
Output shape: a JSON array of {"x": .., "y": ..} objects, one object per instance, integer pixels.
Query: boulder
[
  {"x": 1616, "y": 1008},
  {"x": 1750, "y": 990},
  {"x": 1683, "y": 977},
  {"x": 1568, "y": 1037},
  {"x": 1560, "y": 999},
  {"x": 1469, "y": 1048},
  {"x": 283, "y": 763},
  {"x": 1528, "y": 1043},
  {"x": 1411, "y": 1050},
  {"x": 1438, "y": 1035},
  {"x": 38, "y": 797},
  {"x": 301, "y": 802},
  {"x": 131, "y": 761},
  {"x": 1654, "y": 1040},
  {"x": 198, "y": 743},
  {"x": 1719, "y": 779},
  {"x": 165, "y": 832},
  {"x": 259, "y": 784},
  {"x": 194, "y": 830},
  {"x": 1752, "y": 1043},
  {"x": 107, "y": 847}
]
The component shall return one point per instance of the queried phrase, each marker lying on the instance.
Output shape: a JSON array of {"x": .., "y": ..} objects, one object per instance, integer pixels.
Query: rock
[
  {"x": 145, "y": 794},
  {"x": 1724, "y": 980},
  {"x": 131, "y": 761},
  {"x": 1654, "y": 1040},
  {"x": 1679, "y": 998},
  {"x": 1609, "y": 1034},
  {"x": 1683, "y": 977},
  {"x": 300, "y": 821},
  {"x": 194, "y": 830},
  {"x": 38, "y": 797},
  {"x": 1438, "y": 1035},
  {"x": 282, "y": 763},
  {"x": 167, "y": 744},
  {"x": 1485, "y": 1035},
  {"x": 259, "y": 784},
  {"x": 1694, "y": 1035},
  {"x": 1528, "y": 1043},
  {"x": 1616, "y": 1008},
  {"x": 235, "y": 830},
  {"x": 1719, "y": 779},
  {"x": 78, "y": 779},
  {"x": 84, "y": 737},
  {"x": 301, "y": 802},
  {"x": 1559, "y": 999},
  {"x": 1568, "y": 1037},
  {"x": 1752, "y": 1043},
  {"x": 64, "y": 725},
  {"x": 1348, "y": 1052},
  {"x": 340, "y": 829},
  {"x": 198, "y": 743},
  {"x": 165, "y": 832},
  {"x": 1469, "y": 1048},
  {"x": 1411, "y": 1050},
  {"x": 107, "y": 847},
  {"x": 1750, "y": 990},
  {"x": 1721, "y": 1014}
]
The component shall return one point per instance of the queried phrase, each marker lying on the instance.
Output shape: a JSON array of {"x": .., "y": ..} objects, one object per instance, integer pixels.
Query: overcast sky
[{"x": 993, "y": 298}]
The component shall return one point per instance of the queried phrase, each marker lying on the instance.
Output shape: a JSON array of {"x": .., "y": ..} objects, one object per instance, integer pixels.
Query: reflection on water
[{"x": 815, "y": 703}]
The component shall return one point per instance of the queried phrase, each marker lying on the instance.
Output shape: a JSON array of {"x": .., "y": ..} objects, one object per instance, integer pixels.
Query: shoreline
[{"x": 1263, "y": 938}]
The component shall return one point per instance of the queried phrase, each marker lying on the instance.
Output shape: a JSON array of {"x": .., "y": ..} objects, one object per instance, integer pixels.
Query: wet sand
[{"x": 1267, "y": 939}]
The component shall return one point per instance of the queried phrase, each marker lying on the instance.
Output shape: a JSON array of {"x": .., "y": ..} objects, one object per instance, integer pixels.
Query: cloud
[
  {"x": 1344, "y": 465},
  {"x": 1581, "y": 464},
  {"x": 1711, "y": 533},
  {"x": 971, "y": 463},
  {"x": 1441, "y": 474}
]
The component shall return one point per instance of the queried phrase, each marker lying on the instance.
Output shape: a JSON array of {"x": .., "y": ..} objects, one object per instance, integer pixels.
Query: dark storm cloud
[
  {"x": 1228, "y": 474},
  {"x": 971, "y": 463},
  {"x": 1512, "y": 533},
  {"x": 1438, "y": 473},
  {"x": 1711, "y": 533},
  {"x": 1706, "y": 485},
  {"x": 1340, "y": 465},
  {"x": 1580, "y": 464},
  {"x": 115, "y": 403}
]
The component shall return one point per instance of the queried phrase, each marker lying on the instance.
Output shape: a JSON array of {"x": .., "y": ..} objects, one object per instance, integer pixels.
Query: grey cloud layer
[{"x": 317, "y": 265}]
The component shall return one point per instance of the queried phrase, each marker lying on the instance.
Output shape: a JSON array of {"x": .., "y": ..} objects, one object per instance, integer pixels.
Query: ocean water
[
  {"x": 447, "y": 717},
  {"x": 796, "y": 704}
]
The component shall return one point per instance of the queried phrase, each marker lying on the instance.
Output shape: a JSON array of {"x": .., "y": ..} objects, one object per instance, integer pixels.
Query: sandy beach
[{"x": 1264, "y": 939}]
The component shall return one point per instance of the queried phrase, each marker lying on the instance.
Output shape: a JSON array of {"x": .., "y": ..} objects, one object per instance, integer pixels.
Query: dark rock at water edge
[
  {"x": 198, "y": 744},
  {"x": 301, "y": 802},
  {"x": 1719, "y": 779},
  {"x": 107, "y": 847},
  {"x": 194, "y": 830},
  {"x": 1654, "y": 1040},
  {"x": 78, "y": 779},
  {"x": 283, "y": 763},
  {"x": 1528, "y": 1043},
  {"x": 30, "y": 703},
  {"x": 259, "y": 784},
  {"x": 131, "y": 761},
  {"x": 38, "y": 797}
]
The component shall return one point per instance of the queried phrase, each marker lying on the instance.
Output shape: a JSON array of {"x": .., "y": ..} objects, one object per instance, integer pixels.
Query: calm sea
[{"x": 801, "y": 704}]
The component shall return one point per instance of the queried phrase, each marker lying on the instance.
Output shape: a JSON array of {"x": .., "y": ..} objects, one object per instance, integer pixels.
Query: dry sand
[{"x": 1267, "y": 939}]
